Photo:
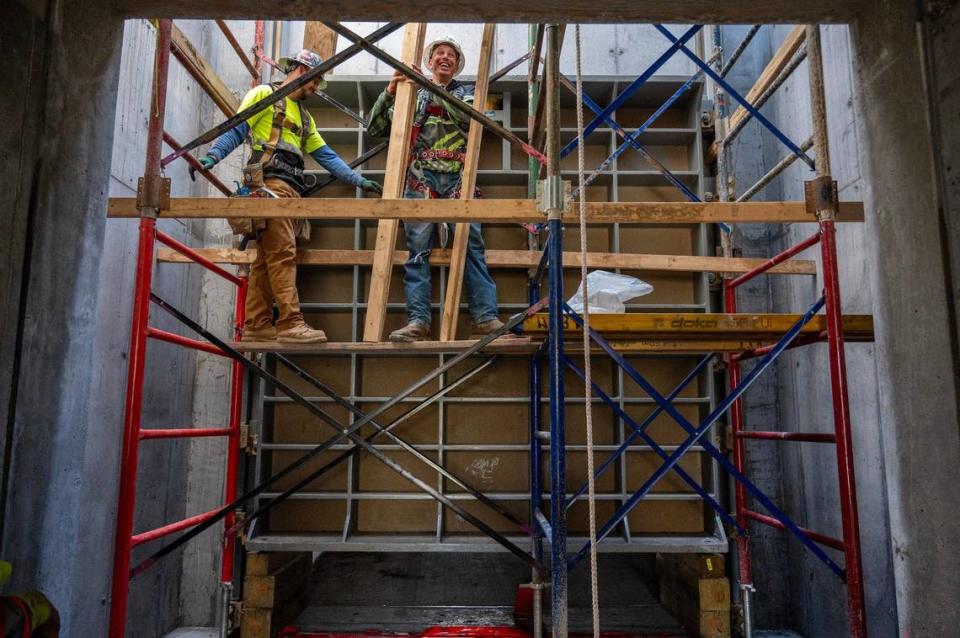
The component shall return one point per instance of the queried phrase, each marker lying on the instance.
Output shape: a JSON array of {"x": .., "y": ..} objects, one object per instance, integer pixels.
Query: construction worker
[
  {"x": 26, "y": 615},
  {"x": 435, "y": 170},
  {"x": 279, "y": 136}
]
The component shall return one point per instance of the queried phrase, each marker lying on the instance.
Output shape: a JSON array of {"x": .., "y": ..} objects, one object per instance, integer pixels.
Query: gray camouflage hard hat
[{"x": 307, "y": 58}]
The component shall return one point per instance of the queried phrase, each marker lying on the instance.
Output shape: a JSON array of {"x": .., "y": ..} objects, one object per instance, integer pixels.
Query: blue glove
[
  {"x": 370, "y": 186},
  {"x": 207, "y": 162}
]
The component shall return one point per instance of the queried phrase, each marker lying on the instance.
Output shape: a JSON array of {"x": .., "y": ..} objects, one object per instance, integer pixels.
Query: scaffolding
[{"x": 736, "y": 338}]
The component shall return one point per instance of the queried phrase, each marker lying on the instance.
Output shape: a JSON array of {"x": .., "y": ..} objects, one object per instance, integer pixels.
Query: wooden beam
[
  {"x": 780, "y": 59},
  {"x": 404, "y": 108},
  {"x": 317, "y": 37},
  {"x": 461, "y": 236},
  {"x": 202, "y": 72},
  {"x": 520, "y": 259},
  {"x": 699, "y": 325},
  {"x": 503, "y": 345},
  {"x": 484, "y": 210}
]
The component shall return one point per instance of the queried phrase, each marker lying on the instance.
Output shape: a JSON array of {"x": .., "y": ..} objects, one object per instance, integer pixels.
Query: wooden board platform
[
  {"x": 503, "y": 345},
  {"x": 717, "y": 327},
  {"x": 484, "y": 210}
]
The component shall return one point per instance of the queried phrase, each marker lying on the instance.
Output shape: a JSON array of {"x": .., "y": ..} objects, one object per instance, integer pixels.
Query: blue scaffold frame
[{"x": 552, "y": 528}]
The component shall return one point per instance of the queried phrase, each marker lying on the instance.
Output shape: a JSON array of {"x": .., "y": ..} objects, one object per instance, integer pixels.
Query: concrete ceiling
[{"x": 698, "y": 11}]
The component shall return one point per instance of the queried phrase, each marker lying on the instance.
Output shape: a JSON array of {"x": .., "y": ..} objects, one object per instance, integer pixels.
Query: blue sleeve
[
  {"x": 329, "y": 159},
  {"x": 229, "y": 141}
]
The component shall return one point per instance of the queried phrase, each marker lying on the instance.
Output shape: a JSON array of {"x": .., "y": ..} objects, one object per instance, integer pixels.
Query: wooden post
[
  {"x": 317, "y": 37},
  {"x": 404, "y": 107},
  {"x": 458, "y": 256}
]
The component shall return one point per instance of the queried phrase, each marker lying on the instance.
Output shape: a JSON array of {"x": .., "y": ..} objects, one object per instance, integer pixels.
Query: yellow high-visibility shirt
[{"x": 261, "y": 124}]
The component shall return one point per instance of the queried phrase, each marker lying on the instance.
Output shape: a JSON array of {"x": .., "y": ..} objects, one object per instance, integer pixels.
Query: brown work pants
[{"x": 273, "y": 276}]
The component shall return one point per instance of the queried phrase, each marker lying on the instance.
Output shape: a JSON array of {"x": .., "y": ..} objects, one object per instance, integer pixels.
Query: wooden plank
[
  {"x": 393, "y": 184},
  {"x": 520, "y": 259},
  {"x": 691, "y": 324},
  {"x": 458, "y": 255},
  {"x": 279, "y": 586},
  {"x": 503, "y": 345},
  {"x": 202, "y": 72},
  {"x": 317, "y": 37},
  {"x": 483, "y": 210},
  {"x": 779, "y": 60}
]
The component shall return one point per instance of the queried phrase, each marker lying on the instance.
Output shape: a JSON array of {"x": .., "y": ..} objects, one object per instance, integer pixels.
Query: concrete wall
[{"x": 895, "y": 267}]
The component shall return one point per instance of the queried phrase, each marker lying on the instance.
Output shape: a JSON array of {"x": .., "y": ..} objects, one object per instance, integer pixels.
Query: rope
[{"x": 588, "y": 383}]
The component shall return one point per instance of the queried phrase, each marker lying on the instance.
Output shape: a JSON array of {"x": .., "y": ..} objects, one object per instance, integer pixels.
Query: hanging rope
[{"x": 588, "y": 405}]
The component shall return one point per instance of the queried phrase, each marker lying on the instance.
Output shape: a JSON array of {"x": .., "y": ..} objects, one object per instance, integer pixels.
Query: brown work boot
[
  {"x": 484, "y": 328},
  {"x": 301, "y": 333},
  {"x": 411, "y": 332},
  {"x": 266, "y": 333}
]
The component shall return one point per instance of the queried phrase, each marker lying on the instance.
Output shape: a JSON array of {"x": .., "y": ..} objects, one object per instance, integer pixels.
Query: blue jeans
[{"x": 480, "y": 288}]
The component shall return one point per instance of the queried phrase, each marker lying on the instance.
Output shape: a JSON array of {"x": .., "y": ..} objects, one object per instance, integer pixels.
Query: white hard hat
[{"x": 448, "y": 40}]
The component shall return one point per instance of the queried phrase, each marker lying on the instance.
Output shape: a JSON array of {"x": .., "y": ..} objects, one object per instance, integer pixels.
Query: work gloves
[
  {"x": 207, "y": 162},
  {"x": 370, "y": 186}
]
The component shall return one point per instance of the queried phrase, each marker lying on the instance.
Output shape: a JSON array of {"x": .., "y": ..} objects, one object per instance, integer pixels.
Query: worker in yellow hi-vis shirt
[
  {"x": 279, "y": 136},
  {"x": 26, "y": 615}
]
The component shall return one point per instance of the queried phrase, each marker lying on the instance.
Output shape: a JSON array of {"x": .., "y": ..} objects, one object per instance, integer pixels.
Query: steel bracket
[
  {"x": 163, "y": 196},
  {"x": 821, "y": 198},
  {"x": 248, "y": 439},
  {"x": 554, "y": 196}
]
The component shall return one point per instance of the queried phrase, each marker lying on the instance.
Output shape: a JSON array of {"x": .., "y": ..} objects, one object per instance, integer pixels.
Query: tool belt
[
  {"x": 438, "y": 153},
  {"x": 420, "y": 186}
]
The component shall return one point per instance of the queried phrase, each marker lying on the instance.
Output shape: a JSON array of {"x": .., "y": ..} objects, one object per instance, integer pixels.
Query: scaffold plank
[
  {"x": 513, "y": 259},
  {"x": 484, "y": 210},
  {"x": 704, "y": 325},
  {"x": 393, "y": 185},
  {"x": 503, "y": 345}
]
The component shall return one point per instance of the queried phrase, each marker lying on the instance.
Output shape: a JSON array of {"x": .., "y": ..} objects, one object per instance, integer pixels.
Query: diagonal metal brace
[
  {"x": 697, "y": 433},
  {"x": 511, "y": 323},
  {"x": 339, "y": 400},
  {"x": 406, "y": 416},
  {"x": 471, "y": 112}
]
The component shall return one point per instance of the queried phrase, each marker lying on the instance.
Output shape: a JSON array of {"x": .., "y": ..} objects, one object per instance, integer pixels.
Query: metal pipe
[
  {"x": 197, "y": 166},
  {"x": 176, "y": 433},
  {"x": 172, "y": 528},
  {"x": 232, "y": 39},
  {"x": 258, "y": 38},
  {"x": 744, "y": 556},
  {"x": 120, "y": 586},
  {"x": 536, "y": 449},
  {"x": 492, "y": 125},
  {"x": 226, "y": 596},
  {"x": 739, "y": 50},
  {"x": 195, "y": 256},
  {"x": 829, "y": 541},
  {"x": 779, "y": 258},
  {"x": 841, "y": 419},
  {"x": 809, "y": 437},
  {"x": 746, "y": 597},
  {"x": 510, "y": 67},
  {"x": 781, "y": 166},
  {"x": 232, "y": 474},
  {"x": 558, "y": 515},
  {"x": 186, "y": 342},
  {"x": 281, "y": 93}
]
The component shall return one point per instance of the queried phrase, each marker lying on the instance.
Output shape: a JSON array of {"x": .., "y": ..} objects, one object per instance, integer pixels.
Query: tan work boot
[
  {"x": 411, "y": 332},
  {"x": 484, "y": 328},
  {"x": 301, "y": 333},
  {"x": 266, "y": 333}
]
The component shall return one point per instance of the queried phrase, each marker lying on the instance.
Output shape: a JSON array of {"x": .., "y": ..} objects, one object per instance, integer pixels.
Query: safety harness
[
  {"x": 413, "y": 183},
  {"x": 267, "y": 161}
]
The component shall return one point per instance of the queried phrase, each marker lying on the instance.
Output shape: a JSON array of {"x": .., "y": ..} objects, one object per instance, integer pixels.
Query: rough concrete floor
[{"x": 410, "y": 592}]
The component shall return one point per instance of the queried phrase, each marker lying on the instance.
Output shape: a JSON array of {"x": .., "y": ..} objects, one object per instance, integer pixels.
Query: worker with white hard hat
[{"x": 435, "y": 169}]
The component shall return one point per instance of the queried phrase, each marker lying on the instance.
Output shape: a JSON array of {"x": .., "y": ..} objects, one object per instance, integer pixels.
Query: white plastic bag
[{"x": 608, "y": 292}]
